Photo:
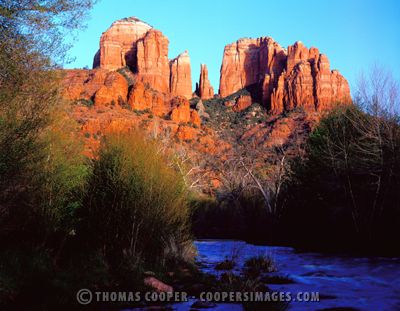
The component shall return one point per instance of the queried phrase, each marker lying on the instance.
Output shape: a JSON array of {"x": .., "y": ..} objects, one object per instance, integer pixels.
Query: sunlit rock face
[
  {"x": 180, "y": 79},
  {"x": 282, "y": 79},
  {"x": 246, "y": 62},
  {"x": 101, "y": 86},
  {"x": 152, "y": 60},
  {"x": 132, "y": 43},
  {"x": 204, "y": 89},
  {"x": 118, "y": 44}
]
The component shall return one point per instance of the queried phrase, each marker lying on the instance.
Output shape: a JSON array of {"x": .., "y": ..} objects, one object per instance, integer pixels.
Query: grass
[
  {"x": 226, "y": 264},
  {"x": 259, "y": 264}
]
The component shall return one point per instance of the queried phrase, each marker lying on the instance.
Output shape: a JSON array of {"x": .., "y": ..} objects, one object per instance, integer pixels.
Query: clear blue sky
[{"x": 353, "y": 34}]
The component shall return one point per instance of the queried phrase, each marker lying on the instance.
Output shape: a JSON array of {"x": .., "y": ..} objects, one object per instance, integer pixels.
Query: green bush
[
  {"x": 346, "y": 188},
  {"x": 135, "y": 209}
]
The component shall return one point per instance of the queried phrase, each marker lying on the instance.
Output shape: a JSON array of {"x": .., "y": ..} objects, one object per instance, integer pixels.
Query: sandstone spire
[
  {"x": 204, "y": 89},
  {"x": 181, "y": 79}
]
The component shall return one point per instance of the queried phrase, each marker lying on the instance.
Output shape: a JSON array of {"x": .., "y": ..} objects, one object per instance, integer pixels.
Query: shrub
[
  {"x": 127, "y": 74},
  {"x": 135, "y": 209},
  {"x": 260, "y": 263},
  {"x": 346, "y": 189},
  {"x": 227, "y": 264}
]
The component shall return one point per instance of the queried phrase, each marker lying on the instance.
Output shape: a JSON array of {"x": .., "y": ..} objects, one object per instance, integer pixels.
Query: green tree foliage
[
  {"x": 42, "y": 25},
  {"x": 136, "y": 206},
  {"x": 42, "y": 172},
  {"x": 345, "y": 193}
]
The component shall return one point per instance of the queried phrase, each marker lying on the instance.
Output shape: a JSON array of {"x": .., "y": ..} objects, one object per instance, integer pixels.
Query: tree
[
  {"x": 43, "y": 24},
  {"x": 30, "y": 45},
  {"x": 346, "y": 188},
  {"x": 41, "y": 167}
]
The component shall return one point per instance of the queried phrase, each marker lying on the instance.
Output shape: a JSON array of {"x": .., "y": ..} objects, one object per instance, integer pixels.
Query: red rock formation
[
  {"x": 103, "y": 86},
  {"x": 204, "y": 89},
  {"x": 330, "y": 87},
  {"x": 247, "y": 60},
  {"x": 277, "y": 95},
  {"x": 181, "y": 79},
  {"x": 114, "y": 91},
  {"x": 195, "y": 118},
  {"x": 142, "y": 97},
  {"x": 282, "y": 80},
  {"x": 296, "y": 53},
  {"x": 152, "y": 60},
  {"x": 242, "y": 102},
  {"x": 118, "y": 44},
  {"x": 135, "y": 44},
  {"x": 181, "y": 110},
  {"x": 299, "y": 88},
  {"x": 82, "y": 84}
]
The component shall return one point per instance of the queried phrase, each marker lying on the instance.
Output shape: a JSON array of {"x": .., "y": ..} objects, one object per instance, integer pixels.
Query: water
[{"x": 362, "y": 283}]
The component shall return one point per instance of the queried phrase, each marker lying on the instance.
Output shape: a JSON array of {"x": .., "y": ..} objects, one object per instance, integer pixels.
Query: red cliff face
[
  {"x": 247, "y": 61},
  {"x": 152, "y": 60},
  {"x": 180, "y": 79},
  {"x": 119, "y": 43},
  {"x": 204, "y": 89},
  {"x": 135, "y": 44},
  {"x": 280, "y": 79},
  {"x": 101, "y": 86},
  {"x": 142, "y": 97}
]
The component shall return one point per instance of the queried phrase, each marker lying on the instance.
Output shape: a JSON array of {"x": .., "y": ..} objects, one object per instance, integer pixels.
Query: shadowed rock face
[{"x": 282, "y": 79}]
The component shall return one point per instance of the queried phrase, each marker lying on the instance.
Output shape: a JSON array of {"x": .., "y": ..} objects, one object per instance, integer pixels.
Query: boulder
[
  {"x": 195, "y": 118},
  {"x": 157, "y": 285},
  {"x": 201, "y": 110},
  {"x": 180, "y": 110},
  {"x": 142, "y": 97},
  {"x": 242, "y": 102},
  {"x": 114, "y": 91},
  {"x": 102, "y": 86}
]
